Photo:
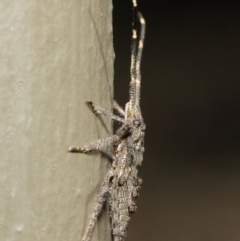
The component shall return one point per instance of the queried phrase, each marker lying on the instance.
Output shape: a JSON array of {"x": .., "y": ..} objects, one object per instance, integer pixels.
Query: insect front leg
[
  {"x": 97, "y": 210},
  {"x": 101, "y": 111},
  {"x": 118, "y": 108}
]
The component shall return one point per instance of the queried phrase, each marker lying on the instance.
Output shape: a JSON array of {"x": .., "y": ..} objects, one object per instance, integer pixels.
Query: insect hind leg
[{"x": 98, "y": 208}]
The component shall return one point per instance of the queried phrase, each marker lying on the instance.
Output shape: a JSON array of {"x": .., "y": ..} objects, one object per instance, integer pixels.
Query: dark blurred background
[{"x": 190, "y": 101}]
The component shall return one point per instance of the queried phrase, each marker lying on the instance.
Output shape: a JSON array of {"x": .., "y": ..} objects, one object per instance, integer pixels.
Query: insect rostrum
[{"x": 121, "y": 182}]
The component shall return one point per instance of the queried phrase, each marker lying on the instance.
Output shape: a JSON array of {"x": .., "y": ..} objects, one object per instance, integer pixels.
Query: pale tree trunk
[{"x": 54, "y": 55}]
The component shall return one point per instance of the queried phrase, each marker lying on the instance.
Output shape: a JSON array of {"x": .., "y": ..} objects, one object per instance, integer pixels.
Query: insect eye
[{"x": 137, "y": 122}]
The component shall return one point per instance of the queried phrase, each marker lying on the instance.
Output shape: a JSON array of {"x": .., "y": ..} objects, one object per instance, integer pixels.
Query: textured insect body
[{"x": 121, "y": 182}]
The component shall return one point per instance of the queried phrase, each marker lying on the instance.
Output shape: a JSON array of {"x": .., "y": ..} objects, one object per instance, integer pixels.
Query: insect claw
[
  {"x": 74, "y": 149},
  {"x": 90, "y": 105}
]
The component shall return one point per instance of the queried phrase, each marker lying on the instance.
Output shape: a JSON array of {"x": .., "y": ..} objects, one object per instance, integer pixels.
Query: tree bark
[{"x": 54, "y": 56}]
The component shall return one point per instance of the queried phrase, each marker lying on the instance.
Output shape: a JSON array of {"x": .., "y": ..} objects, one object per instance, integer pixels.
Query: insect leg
[
  {"x": 96, "y": 145},
  {"x": 118, "y": 108},
  {"x": 100, "y": 201},
  {"x": 100, "y": 110},
  {"x": 108, "y": 155}
]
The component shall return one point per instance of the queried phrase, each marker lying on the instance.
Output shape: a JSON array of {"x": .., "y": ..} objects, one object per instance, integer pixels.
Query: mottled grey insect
[{"x": 121, "y": 182}]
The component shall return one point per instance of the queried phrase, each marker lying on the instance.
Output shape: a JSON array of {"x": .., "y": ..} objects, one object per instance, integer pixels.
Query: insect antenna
[
  {"x": 139, "y": 57},
  {"x": 133, "y": 56},
  {"x": 136, "y": 55}
]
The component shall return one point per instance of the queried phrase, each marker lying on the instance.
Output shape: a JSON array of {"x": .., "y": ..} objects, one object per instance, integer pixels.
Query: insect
[{"x": 121, "y": 182}]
